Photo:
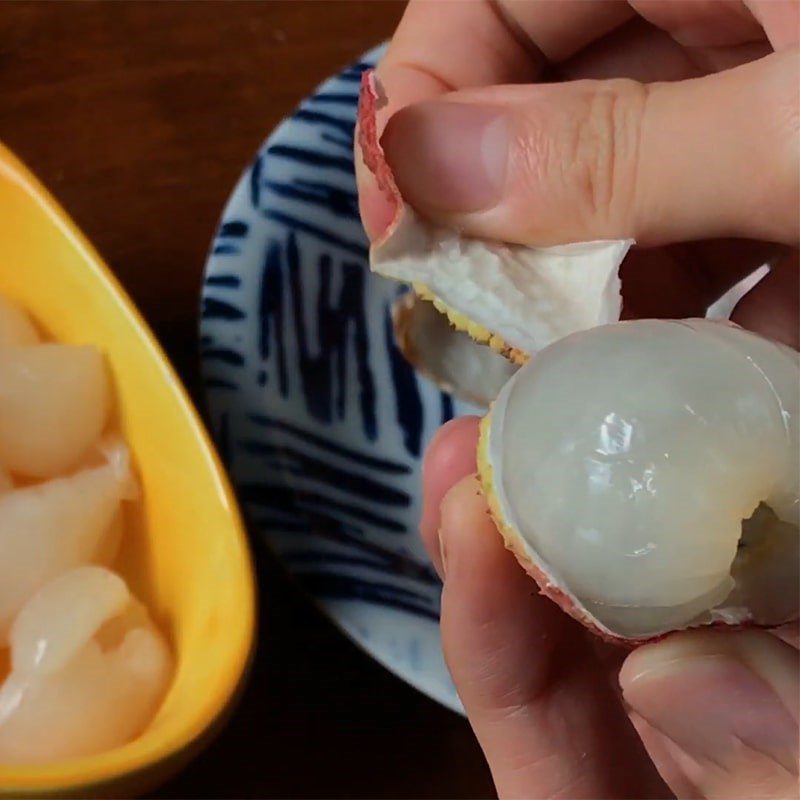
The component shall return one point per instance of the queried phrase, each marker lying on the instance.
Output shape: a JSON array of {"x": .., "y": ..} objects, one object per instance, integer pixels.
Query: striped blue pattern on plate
[{"x": 320, "y": 420}]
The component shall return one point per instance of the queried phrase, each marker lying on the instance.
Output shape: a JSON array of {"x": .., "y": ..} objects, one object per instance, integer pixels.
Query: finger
[
  {"x": 547, "y": 164},
  {"x": 498, "y": 42},
  {"x": 637, "y": 50},
  {"x": 772, "y": 308},
  {"x": 722, "y": 35},
  {"x": 421, "y": 63},
  {"x": 725, "y": 33},
  {"x": 724, "y": 22},
  {"x": 546, "y": 719},
  {"x": 449, "y": 458},
  {"x": 694, "y": 24},
  {"x": 642, "y": 52},
  {"x": 779, "y": 18},
  {"x": 668, "y": 759},
  {"x": 729, "y": 701},
  {"x": 493, "y": 48},
  {"x": 560, "y": 28}
]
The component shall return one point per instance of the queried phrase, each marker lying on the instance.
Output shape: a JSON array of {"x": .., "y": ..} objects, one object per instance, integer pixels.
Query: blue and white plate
[{"x": 321, "y": 421}]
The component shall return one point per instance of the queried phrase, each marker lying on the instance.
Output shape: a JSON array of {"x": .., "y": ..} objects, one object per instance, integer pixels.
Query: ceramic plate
[
  {"x": 319, "y": 418},
  {"x": 321, "y": 421}
]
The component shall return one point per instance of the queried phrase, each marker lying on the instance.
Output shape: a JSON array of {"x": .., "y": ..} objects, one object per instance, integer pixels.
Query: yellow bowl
[{"x": 186, "y": 552}]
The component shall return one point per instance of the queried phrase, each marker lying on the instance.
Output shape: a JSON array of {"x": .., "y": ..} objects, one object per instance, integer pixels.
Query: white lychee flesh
[
  {"x": 89, "y": 670},
  {"x": 647, "y": 474},
  {"x": 456, "y": 363},
  {"x": 48, "y": 528},
  {"x": 54, "y": 403}
]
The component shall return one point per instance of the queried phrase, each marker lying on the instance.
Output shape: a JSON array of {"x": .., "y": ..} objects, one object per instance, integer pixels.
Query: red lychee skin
[{"x": 371, "y": 99}]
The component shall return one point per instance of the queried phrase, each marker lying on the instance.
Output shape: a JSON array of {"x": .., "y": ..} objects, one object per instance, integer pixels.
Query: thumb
[
  {"x": 548, "y": 722},
  {"x": 547, "y": 164},
  {"x": 729, "y": 701}
]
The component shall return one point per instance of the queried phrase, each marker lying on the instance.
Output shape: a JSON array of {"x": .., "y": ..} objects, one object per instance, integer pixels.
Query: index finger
[{"x": 445, "y": 46}]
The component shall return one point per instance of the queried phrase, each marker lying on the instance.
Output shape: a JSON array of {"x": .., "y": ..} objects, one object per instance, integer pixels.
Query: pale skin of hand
[{"x": 558, "y": 713}]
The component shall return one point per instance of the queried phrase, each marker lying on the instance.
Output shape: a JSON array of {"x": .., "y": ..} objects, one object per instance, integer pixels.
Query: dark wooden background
[{"x": 139, "y": 117}]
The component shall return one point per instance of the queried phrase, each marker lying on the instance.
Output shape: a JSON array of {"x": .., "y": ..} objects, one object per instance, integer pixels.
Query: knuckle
[
  {"x": 604, "y": 152},
  {"x": 533, "y": 146}
]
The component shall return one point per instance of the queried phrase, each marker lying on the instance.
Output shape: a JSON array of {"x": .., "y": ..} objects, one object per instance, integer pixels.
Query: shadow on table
[{"x": 320, "y": 719}]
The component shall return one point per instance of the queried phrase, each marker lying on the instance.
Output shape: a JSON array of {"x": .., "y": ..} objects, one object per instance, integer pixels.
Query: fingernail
[
  {"x": 376, "y": 210},
  {"x": 710, "y": 705},
  {"x": 462, "y": 509},
  {"x": 448, "y": 156},
  {"x": 442, "y": 554}
]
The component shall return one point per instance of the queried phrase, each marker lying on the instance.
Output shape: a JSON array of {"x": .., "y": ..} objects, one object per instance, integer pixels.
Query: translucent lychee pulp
[{"x": 627, "y": 458}]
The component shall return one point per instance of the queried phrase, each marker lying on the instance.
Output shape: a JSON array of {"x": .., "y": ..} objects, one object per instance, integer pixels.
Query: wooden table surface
[{"x": 140, "y": 117}]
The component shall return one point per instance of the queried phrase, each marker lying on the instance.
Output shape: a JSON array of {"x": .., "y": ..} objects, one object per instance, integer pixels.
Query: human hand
[
  {"x": 709, "y": 155},
  {"x": 559, "y": 713}
]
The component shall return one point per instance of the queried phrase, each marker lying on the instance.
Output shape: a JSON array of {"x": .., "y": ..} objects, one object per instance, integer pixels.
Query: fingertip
[
  {"x": 675, "y": 647},
  {"x": 450, "y": 457},
  {"x": 478, "y": 565},
  {"x": 453, "y": 444},
  {"x": 377, "y": 211},
  {"x": 464, "y": 511},
  {"x": 773, "y": 659},
  {"x": 725, "y": 698}
]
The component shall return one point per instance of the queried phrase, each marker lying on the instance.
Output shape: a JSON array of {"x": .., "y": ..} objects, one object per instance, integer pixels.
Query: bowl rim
[{"x": 142, "y": 755}]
